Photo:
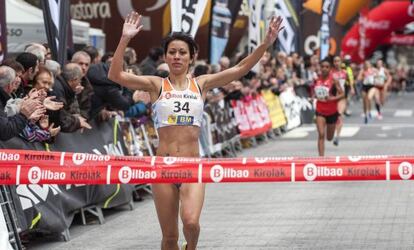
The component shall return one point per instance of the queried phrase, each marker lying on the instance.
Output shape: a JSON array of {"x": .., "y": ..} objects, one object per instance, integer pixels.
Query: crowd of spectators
[{"x": 40, "y": 98}]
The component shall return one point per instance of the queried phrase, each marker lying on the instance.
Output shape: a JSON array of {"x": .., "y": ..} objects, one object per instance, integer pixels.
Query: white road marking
[
  {"x": 403, "y": 113},
  {"x": 349, "y": 131}
]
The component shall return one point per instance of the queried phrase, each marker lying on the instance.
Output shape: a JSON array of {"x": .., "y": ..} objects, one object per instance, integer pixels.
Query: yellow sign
[{"x": 277, "y": 116}]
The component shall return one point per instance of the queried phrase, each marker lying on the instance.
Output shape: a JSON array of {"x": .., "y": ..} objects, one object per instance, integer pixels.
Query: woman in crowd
[
  {"x": 328, "y": 92},
  {"x": 179, "y": 137},
  {"x": 340, "y": 76}
]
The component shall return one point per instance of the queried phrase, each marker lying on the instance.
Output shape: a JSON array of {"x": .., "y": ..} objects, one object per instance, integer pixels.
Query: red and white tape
[{"x": 37, "y": 167}]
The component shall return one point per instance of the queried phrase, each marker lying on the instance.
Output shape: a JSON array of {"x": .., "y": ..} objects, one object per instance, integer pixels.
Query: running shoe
[
  {"x": 184, "y": 246},
  {"x": 379, "y": 117},
  {"x": 336, "y": 141},
  {"x": 366, "y": 119}
]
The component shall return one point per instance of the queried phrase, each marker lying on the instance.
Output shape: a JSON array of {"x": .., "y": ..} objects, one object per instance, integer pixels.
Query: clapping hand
[
  {"x": 132, "y": 25},
  {"x": 44, "y": 122},
  {"x": 54, "y": 131},
  {"x": 273, "y": 30},
  {"x": 52, "y": 105}
]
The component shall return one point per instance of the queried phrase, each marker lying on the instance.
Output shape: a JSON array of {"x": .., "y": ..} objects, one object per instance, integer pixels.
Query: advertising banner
[
  {"x": 288, "y": 39},
  {"x": 251, "y": 116},
  {"x": 156, "y": 18},
  {"x": 277, "y": 116},
  {"x": 254, "y": 27},
  {"x": 292, "y": 108},
  {"x": 379, "y": 23},
  {"x": 155, "y": 169},
  {"x": 3, "y": 30},
  {"x": 186, "y": 15},
  {"x": 51, "y": 205}
]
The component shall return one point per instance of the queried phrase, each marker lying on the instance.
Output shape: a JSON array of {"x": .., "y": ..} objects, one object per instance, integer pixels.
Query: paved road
[{"x": 332, "y": 215}]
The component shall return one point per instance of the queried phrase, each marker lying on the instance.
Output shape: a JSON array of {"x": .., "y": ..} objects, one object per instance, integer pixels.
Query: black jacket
[
  {"x": 9, "y": 126},
  {"x": 68, "y": 122},
  {"x": 106, "y": 92}
]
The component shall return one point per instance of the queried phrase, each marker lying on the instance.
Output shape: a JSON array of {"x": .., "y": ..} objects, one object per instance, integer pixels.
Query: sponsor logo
[
  {"x": 85, "y": 175},
  {"x": 5, "y": 176},
  {"x": 80, "y": 158},
  {"x": 375, "y": 25},
  {"x": 363, "y": 171},
  {"x": 126, "y": 174},
  {"x": 367, "y": 157},
  {"x": 405, "y": 170},
  {"x": 217, "y": 173},
  {"x": 172, "y": 119},
  {"x": 177, "y": 174},
  {"x": 171, "y": 160},
  {"x": 85, "y": 11},
  {"x": 28, "y": 157},
  {"x": 35, "y": 174},
  {"x": 311, "y": 171},
  {"x": 9, "y": 156},
  {"x": 185, "y": 120},
  {"x": 265, "y": 159},
  {"x": 274, "y": 172}
]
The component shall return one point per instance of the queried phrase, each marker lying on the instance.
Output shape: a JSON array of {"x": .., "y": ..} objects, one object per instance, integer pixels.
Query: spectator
[
  {"x": 38, "y": 50},
  {"x": 224, "y": 63},
  {"x": 107, "y": 57},
  {"x": 48, "y": 55},
  {"x": 67, "y": 86},
  {"x": 53, "y": 67},
  {"x": 93, "y": 53},
  {"x": 19, "y": 70},
  {"x": 82, "y": 59},
  {"x": 107, "y": 94},
  {"x": 130, "y": 56},
  {"x": 28, "y": 108},
  {"x": 30, "y": 64},
  {"x": 149, "y": 65}
]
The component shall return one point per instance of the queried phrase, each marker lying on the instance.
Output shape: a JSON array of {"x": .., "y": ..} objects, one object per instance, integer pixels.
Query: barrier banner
[
  {"x": 50, "y": 205},
  {"x": 74, "y": 168},
  {"x": 252, "y": 116},
  {"x": 223, "y": 120},
  {"x": 307, "y": 112},
  {"x": 277, "y": 116},
  {"x": 292, "y": 108}
]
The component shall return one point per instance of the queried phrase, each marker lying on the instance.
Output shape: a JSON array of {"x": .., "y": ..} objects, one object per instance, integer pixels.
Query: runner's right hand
[{"x": 132, "y": 25}]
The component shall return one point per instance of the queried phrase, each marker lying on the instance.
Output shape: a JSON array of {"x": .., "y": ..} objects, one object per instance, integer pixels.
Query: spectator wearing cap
[{"x": 66, "y": 87}]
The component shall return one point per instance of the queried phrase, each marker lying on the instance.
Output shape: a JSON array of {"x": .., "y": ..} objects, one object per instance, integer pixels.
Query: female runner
[
  {"x": 327, "y": 91},
  {"x": 341, "y": 76},
  {"x": 178, "y": 118}
]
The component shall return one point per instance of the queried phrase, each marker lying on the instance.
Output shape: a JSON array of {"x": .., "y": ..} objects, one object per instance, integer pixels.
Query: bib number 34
[{"x": 178, "y": 106}]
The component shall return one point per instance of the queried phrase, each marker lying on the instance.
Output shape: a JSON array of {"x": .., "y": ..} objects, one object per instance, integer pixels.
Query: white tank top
[{"x": 178, "y": 108}]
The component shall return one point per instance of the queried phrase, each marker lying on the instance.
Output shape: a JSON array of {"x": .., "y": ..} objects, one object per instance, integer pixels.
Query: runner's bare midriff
[{"x": 178, "y": 141}]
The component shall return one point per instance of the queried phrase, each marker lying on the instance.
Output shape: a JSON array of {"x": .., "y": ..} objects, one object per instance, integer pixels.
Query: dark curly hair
[{"x": 189, "y": 40}]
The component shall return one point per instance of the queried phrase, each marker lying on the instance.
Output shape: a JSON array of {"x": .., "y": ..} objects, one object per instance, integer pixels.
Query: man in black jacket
[
  {"x": 66, "y": 87},
  {"x": 107, "y": 94},
  {"x": 29, "y": 108}
]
